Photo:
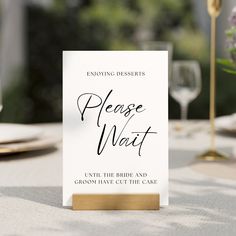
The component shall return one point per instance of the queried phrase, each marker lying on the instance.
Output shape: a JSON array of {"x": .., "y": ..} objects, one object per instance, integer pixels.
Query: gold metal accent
[
  {"x": 214, "y": 8},
  {"x": 115, "y": 202},
  {"x": 212, "y": 155}
]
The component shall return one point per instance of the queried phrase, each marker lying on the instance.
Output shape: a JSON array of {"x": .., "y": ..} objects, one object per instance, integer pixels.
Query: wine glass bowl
[
  {"x": 160, "y": 46},
  {"x": 185, "y": 84}
]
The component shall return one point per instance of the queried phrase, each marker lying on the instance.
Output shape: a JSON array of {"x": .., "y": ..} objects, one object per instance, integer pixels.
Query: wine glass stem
[{"x": 184, "y": 111}]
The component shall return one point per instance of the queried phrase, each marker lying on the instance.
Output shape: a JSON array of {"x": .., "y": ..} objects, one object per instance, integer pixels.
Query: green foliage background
[{"x": 36, "y": 95}]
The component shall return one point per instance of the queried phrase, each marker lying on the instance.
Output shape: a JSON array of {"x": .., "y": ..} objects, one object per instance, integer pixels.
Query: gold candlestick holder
[{"x": 214, "y": 8}]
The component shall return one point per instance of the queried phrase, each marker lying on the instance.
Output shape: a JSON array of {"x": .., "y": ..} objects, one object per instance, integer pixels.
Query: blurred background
[{"x": 33, "y": 34}]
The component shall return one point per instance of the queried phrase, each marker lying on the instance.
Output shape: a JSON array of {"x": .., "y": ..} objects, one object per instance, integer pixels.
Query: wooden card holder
[{"x": 116, "y": 202}]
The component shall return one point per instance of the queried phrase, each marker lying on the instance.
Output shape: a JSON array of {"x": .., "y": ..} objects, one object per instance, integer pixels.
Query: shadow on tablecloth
[
  {"x": 199, "y": 205},
  {"x": 51, "y": 196},
  {"x": 220, "y": 169}
]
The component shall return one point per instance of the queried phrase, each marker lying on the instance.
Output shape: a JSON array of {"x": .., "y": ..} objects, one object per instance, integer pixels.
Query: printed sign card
[{"x": 115, "y": 123}]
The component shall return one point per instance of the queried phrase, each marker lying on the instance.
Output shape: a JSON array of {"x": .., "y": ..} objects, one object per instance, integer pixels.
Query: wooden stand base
[{"x": 115, "y": 202}]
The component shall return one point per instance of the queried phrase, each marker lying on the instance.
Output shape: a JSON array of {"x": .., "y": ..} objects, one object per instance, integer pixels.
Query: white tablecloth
[{"x": 31, "y": 198}]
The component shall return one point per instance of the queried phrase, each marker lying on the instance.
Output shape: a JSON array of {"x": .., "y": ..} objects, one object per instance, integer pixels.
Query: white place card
[{"x": 115, "y": 123}]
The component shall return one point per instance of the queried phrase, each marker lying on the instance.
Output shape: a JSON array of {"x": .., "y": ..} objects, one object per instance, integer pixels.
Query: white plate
[
  {"x": 226, "y": 123},
  {"x": 10, "y": 133},
  {"x": 42, "y": 143}
]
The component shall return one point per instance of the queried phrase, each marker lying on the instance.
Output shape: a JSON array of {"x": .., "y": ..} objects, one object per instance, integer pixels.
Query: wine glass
[
  {"x": 185, "y": 84},
  {"x": 160, "y": 46}
]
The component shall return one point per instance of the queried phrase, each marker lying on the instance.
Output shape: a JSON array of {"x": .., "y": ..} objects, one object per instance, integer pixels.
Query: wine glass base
[{"x": 212, "y": 155}]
